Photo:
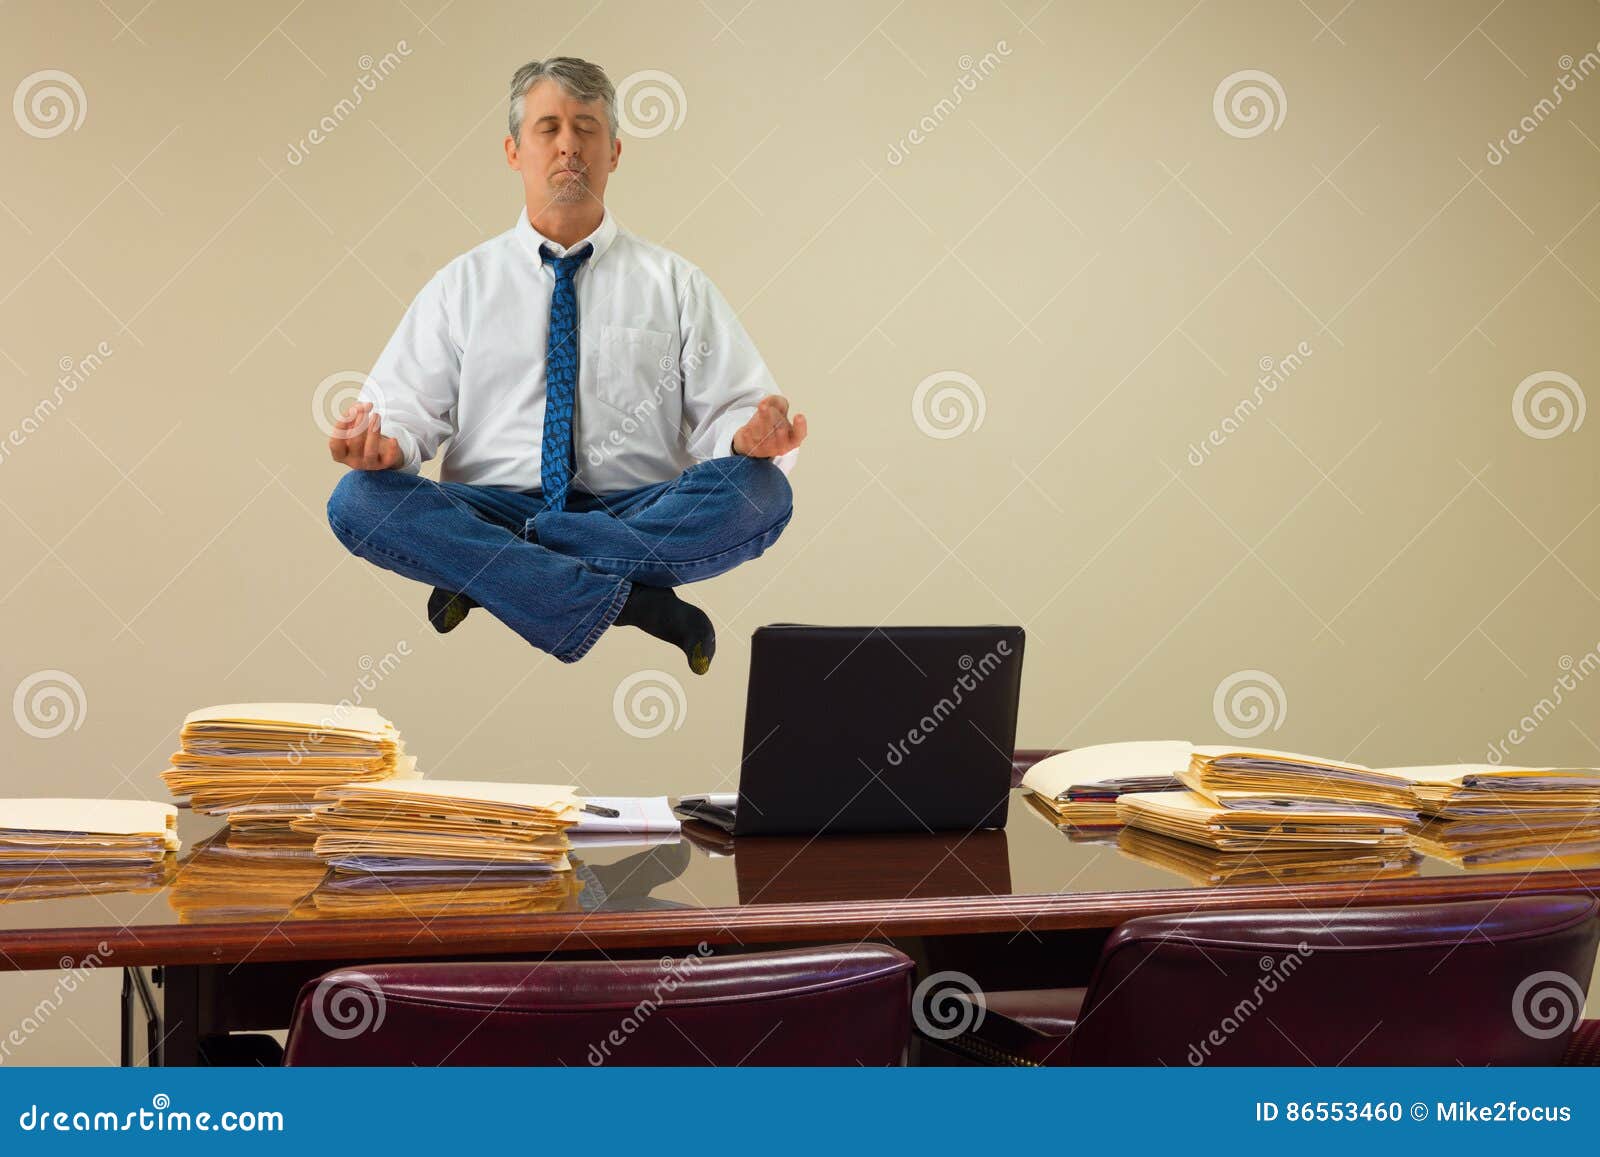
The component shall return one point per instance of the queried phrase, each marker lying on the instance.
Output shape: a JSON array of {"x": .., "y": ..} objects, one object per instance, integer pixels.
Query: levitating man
[{"x": 611, "y": 430}]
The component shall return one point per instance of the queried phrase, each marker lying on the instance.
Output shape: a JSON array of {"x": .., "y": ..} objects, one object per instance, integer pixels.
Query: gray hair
[{"x": 579, "y": 78}]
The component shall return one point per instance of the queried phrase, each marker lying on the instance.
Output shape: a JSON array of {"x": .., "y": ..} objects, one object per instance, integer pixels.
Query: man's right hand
[{"x": 358, "y": 441}]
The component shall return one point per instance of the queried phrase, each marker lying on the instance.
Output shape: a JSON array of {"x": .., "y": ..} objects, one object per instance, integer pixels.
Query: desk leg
[
  {"x": 125, "y": 1054},
  {"x": 184, "y": 1012},
  {"x": 138, "y": 1007}
]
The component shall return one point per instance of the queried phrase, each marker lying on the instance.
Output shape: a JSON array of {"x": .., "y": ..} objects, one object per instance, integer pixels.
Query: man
[{"x": 612, "y": 430}]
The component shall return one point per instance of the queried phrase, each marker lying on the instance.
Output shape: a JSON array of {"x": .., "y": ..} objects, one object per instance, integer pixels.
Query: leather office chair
[
  {"x": 835, "y": 1005},
  {"x": 1584, "y": 1047},
  {"x": 1476, "y": 982}
]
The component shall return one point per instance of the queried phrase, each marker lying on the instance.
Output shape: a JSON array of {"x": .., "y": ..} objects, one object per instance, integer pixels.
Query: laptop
[{"x": 873, "y": 729}]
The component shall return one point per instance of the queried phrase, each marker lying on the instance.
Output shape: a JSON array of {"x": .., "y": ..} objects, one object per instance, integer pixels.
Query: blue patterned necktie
[{"x": 561, "y": 378}]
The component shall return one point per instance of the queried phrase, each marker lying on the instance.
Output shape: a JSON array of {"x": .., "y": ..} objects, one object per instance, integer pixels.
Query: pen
[{"x": 595, "y": 809}]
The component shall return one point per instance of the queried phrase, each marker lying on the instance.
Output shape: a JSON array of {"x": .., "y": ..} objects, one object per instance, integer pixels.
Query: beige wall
[{"x": 1079, "y": 235}]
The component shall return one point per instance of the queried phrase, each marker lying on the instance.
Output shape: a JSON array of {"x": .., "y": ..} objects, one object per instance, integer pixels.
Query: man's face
[{"x": 566, "y": 153}]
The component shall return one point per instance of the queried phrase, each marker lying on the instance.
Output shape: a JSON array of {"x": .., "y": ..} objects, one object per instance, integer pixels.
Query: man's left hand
[{"x": 771, "y": 432}]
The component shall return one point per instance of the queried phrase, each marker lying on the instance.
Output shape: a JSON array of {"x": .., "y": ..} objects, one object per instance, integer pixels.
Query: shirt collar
[{"x": 601, "y": 238}]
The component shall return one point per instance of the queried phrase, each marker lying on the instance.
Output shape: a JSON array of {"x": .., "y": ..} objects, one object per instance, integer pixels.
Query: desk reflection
[
  {"x": 60, "y": 881},
  {"x": 225, "y": 879},
  {"x": 1208, "y": 868},
  {"x": 425, "y": 895},
  {"x": 627, "y": 884},
  {"x": 801, "y": 869}
]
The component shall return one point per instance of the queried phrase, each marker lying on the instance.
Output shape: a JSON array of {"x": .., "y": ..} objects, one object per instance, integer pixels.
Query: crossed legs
[{"x": 560, "y": 578}]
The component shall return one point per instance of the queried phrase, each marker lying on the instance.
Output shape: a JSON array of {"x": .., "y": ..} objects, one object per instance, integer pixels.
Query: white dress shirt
[{"x": 666, "y": 373}]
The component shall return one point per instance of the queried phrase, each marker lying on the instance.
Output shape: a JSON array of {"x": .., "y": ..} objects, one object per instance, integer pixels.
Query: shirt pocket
[{"x": 637, "y": 369}]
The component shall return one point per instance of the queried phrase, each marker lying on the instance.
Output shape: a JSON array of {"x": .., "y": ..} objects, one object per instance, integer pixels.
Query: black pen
[{"x": 595, "y": 809}]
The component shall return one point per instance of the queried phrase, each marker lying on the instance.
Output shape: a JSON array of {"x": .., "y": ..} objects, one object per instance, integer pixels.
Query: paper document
[
  {"x": 639, "y": 814},
  {"x": 442, "y": 825},
  {"x": 260, "y": 765},
  {"x": 86, "y": 831}
]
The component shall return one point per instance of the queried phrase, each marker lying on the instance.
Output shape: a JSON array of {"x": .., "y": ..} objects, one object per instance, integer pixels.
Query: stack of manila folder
[
  {"x": 1252, "y": 779},
  {"x": 443, "y": 825},
  {"x": 224, "y": 881},
  {"x": 1188, "y": 815},
  {"x": 1242, "y": 800},
  {"x": 63, "y": 847},
  {"x": 260, "y": 765},
  {"x": 1481, "y": 815},
  {"x": 1079, "y": 788}
]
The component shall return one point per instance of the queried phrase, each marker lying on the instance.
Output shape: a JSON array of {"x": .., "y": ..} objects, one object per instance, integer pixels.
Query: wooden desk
[{"x": 226, "y": 966}]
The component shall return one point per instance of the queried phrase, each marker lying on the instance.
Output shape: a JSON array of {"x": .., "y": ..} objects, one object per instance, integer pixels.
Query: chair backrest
[
  {"x": 836, "y": 1005},
  {"x": 1478, "y": 982}
]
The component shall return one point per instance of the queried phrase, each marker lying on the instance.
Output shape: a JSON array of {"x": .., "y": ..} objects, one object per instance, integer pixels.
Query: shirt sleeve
[
  {"x": 417, "y": 378},
  {"x": 723, "y": 374}
]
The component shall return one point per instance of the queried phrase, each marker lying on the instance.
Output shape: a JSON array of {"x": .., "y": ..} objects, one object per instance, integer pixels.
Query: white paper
[
  {"x": 1053, "y": 775},
  {"x": 639, "y": 814},
  {"x": 114, "y": 817}
]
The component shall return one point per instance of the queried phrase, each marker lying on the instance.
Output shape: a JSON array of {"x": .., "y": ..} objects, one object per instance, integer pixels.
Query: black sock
[
  {"x": 447, "y": 609},
  {"x": 660, "y": 612}
]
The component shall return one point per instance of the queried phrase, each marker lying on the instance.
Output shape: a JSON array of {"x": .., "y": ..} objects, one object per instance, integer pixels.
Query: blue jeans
[{"x": 559, "y": 577}]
